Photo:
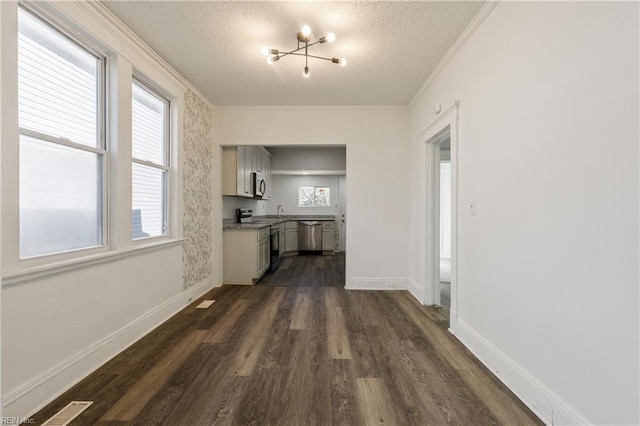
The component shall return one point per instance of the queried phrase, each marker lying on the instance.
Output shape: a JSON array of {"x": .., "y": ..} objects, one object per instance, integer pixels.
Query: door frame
[
  {"x": 448, "y": 118},
  {"x": 342, "y": 224}
]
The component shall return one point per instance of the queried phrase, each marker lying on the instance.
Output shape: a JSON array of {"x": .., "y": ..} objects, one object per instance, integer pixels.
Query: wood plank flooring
[{"x": 297, "y": 355}]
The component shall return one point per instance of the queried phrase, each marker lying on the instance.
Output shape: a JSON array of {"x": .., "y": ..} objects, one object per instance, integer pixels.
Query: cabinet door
[
  {"x": 244, "y": 171},
  {"x": 263, "y": 256},
  {"x": 267, "y": 169},
  {"x": 281, "y": 246},
  {"x": 291, "y": 239},
  {"x": 327, "y": 240}
]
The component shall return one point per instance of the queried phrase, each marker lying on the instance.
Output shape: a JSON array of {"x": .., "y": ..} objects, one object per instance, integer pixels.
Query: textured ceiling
[{"x": 391, "y": 47}]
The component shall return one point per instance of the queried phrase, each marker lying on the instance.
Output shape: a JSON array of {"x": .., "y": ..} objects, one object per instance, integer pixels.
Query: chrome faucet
[{"x": 279, "y": 209}]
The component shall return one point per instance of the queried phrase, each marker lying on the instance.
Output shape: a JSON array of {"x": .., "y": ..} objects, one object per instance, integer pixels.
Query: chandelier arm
[
  {"x": 311, "y": 56},
  {"x": 281, "y": 54}
]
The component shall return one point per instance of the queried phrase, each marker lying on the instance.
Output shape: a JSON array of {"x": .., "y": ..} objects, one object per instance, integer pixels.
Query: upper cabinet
[{"x": 238, "y": 164}]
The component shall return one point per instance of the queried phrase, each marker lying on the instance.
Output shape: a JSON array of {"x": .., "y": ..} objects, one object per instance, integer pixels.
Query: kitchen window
[
  {"x": 314, "y": 196},
  {"x": 61, "y": 106},
  {"x": 150, "y": 156}
]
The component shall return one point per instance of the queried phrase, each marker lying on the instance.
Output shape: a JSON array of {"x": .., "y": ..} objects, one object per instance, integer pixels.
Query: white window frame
[
  {"x": 100, "y": 149},
  {"x": 125, "y": 58},
  {"x": 166, "y": 168},
  {"x": 315, "y": 188}
]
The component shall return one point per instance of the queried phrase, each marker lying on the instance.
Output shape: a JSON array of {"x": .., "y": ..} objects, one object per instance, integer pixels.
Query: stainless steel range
[
  {"x": 245, "y": 216},
  {"x": 275, "y": 247}
]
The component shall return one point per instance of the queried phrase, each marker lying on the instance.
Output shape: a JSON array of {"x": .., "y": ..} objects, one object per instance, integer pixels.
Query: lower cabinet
[
  {"x": 328, "y": 237},
  {"x": 291, "y": 238},
  {"x": 246, "y": 255}
]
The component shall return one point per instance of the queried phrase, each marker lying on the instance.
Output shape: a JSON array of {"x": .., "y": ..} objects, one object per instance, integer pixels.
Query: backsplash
[{"x": 230, "y": 204}]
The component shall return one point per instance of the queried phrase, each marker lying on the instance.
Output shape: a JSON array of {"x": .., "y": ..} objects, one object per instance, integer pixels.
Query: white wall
[
  {"x": 378, "y": 190},
  {"x": 548, "y": 151},
  {"x": 285, "y": 192}
]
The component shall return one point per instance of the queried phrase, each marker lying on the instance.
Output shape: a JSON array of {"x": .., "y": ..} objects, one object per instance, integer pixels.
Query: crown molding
[
  {"x": 475, "y": 23},
  {"x": 103, "y": 15},
  {"x": 312, "y": 108},
  {"x": 309, "y": 172}
]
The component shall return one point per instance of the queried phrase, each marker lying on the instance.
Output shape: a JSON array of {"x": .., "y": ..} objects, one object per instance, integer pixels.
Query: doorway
[{"x": 441, "y": 213}]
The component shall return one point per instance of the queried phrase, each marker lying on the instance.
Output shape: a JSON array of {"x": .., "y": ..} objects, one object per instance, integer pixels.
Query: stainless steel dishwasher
[{"x": 309, "y": 236}]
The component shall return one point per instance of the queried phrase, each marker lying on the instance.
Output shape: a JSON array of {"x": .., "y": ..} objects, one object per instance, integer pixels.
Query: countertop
[{"x": 259, "y": 222}]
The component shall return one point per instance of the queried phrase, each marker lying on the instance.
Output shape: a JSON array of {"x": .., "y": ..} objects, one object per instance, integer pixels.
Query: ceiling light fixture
[{"x": 304, "y": 45}]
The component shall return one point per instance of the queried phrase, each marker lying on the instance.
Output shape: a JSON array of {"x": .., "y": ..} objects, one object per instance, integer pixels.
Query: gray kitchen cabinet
[
  {"x": 246, "y": 255},
  {"x": 328, "y": 237},
  {"x": 236, "y": 171},
  {"x": 291, "y": 237}
]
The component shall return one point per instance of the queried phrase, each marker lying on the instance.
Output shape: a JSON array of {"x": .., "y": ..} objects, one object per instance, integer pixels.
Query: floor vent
[
  {"x": 205, "y": 304},
  {"x": 68, "y": 413}
]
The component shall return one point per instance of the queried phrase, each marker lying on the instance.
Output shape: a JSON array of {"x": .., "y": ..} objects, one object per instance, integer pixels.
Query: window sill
[{"x": 45, "y": 271}]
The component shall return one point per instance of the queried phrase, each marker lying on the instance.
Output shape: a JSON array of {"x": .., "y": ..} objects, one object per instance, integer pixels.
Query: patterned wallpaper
[{"x": 198, "y": 145}]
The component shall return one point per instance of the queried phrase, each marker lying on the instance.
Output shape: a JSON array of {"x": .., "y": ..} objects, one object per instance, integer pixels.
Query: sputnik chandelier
[{"x": 304, "y": 45}]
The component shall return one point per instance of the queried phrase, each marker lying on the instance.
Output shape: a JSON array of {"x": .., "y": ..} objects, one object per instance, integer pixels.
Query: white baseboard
[
  {"x": 37, "y": 393},
  {"x": 547, "y": 405},
  {"x": 377, "y": 284},
  {"x": 416, "y": 290},
  {"x": 453, "y": 321}
]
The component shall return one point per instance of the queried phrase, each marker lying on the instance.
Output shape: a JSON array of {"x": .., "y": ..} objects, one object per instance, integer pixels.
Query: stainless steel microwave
[{"x": 259, "y": 185}]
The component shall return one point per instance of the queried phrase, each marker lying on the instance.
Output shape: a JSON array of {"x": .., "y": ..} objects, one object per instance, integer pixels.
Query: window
[
  {"x": 150, "y": 168},
  {"x": 62, "y": 145},
  {"x": 314, "y": 196}
]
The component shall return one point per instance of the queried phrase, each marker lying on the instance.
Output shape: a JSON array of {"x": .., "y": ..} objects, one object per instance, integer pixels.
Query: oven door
[
  {"x": 275, "y": 242},
  {"x": 275, "y": 248}
]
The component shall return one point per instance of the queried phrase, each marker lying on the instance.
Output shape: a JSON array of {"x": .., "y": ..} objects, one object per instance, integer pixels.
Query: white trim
[
  {"x": 388, "y": 283},
  {"x": 416, "y": 290},
  {"x": 542, "y": 401},
  {"x": 453, "y": 321},
  {"x": 133, "y": 42},
  {"x": 61, "y": 141},
  {"x": 35, "y": 394},
  {"x": 308, "y": 108},
  {"x": 2, "y": 111},
  {"x": 309, "y": 172},
  {"x": 52, "y": 269},
  {"x": 475, "y": 23},
  {"x": 439, "y": 118},
  {"x": 432, "y": 213}
]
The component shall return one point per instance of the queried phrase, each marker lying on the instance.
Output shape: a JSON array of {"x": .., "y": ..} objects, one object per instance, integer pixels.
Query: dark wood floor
[
  {"x": 296, "y": 355},
  {"x": 308, "y": 270}
]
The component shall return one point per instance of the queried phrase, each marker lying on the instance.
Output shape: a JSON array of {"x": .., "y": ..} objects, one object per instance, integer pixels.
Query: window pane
[
  {"x": 149, "y": 126},
  {"x": 305, "y": 196},
  {"x": 57, "y": 83},
  {"x": 322, "y": 197},
  {"x": 148, "y": 201},
  {"x": 60, "y": 198}
]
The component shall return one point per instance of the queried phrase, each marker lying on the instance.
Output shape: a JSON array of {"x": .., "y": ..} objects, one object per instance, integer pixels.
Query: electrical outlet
[{"x": 391, "y": 285}]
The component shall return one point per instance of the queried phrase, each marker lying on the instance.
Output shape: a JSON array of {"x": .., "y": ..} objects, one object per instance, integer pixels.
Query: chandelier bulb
[
  {"x": 331, "y": 37},
  {"x": 272, "y": 59},
  {"x": 343, "y": 62},
  {"x": 265, "y": 51},
  {"x": 306, "y": 72},
  {"x": 306, "y": 30}
]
